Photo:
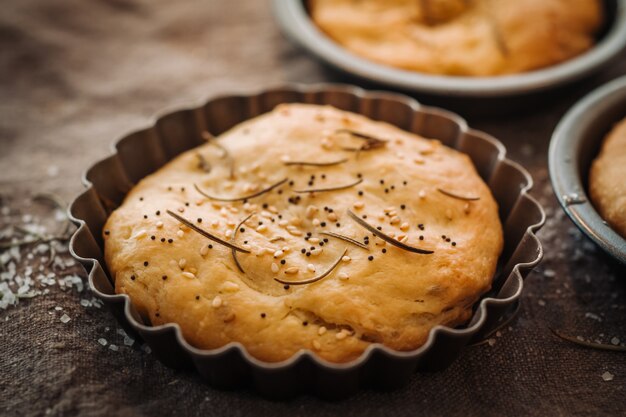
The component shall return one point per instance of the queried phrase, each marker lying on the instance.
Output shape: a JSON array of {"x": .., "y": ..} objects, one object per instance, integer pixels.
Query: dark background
[{"x": 77, "y": 74}]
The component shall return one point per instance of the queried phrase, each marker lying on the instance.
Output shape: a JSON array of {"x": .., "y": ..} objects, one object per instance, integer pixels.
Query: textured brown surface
[{"x": 74, "y": 75}]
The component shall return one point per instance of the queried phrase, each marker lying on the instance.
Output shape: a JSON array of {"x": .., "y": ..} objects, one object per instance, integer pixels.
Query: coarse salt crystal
[
  {"x": 274, "y": 267},
  {"x": 607, "y": 376},
  {"x": 65, "y": 318},
  {"x": 102, "y": 341}
]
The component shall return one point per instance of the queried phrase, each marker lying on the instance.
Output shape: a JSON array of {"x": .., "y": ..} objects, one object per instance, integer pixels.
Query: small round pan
[
  {"x": 294, "y": 19},
  {"x": 575, "y": 143}
]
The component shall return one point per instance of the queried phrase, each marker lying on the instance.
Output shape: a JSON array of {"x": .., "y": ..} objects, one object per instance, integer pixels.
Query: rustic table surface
[{"x": 75, "y": 75}]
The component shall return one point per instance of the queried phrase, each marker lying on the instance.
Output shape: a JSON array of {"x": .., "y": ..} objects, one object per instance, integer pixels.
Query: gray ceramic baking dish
[
  {"x": 143, "y": 152},
  {"x": 293, "y": 18},
  {"x": 575, "y": 143}
]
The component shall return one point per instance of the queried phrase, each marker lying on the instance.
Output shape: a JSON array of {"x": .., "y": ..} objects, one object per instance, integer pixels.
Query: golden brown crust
[
  {"x": 395, "y": 298},
  {"x": 461, "y": 37},
  {"x": 607, "y": 184}
]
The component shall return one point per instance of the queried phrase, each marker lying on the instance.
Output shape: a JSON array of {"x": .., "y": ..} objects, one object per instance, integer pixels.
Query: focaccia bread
[
  {"x": 462, "y": 37},
  {"x": 606, "y": 179},
  {"x": 298, "y": 260}
]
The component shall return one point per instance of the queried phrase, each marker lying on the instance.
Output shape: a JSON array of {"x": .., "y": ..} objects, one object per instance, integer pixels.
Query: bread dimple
[
  {"x": 457, "y": 37},
  {"x": 606, "y": 179},
  {"x": 395, "y": 298}
]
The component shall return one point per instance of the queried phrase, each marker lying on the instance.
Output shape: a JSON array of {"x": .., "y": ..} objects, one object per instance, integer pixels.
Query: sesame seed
[
  {"x": 341, "y": 335},
  {"x": 292, "y": 270},
  {"x": 182, "y": 262},
  {"x": 204, "y": 250},
  {"x": 322, "y": 330},
  {"x": 346, "y": 258},
  {"x": 188, "y": 275},
  {"x": 316, "y": 345},
  {"x": 274, "y": 267},
  {"x": 180, "y": 233},
  {"x": 311, "y": 267},
  {"x": 217, "y": 302},
  {"x": 278, "y": 253},
  {"x": 343, "y": 276}
]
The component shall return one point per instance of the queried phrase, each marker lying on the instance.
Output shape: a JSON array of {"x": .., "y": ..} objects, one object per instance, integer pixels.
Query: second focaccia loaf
[{"x": 462, "y": 37}]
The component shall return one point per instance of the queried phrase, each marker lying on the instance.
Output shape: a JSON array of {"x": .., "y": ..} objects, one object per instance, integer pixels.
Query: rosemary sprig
[
  {"x": 346, "y": 239},
  {"x": 371, "y": 142},
  {"x": 340, "y": 187},
  {"x": 386, "y": 237},
  {"x": 317, "y": 278},
  {"x": 225, "y": 154},
  {"x": 590, "y": 345},
  {"x": 233, "y": 251},
  {"x": 203, "y": 164},
  {"x": 458, "y": 197},
  {"x": 247, "y": 197},
  {"x": 205, "y": 233},
  {"x": 316, "y": 164}
]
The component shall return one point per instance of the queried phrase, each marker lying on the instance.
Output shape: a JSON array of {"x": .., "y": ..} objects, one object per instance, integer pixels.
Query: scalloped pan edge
[{"x": 231, "y": 366}]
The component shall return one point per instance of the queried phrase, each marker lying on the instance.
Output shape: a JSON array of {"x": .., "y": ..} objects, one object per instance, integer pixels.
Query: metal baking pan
[
  {"x": 293, "y": 18},
  {"x": 575, "y": 143},
  {"x": 143, "y": 152}
]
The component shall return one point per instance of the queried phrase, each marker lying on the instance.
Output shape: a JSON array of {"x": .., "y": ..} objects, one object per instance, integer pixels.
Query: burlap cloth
[{"x": 76, "y": 74}]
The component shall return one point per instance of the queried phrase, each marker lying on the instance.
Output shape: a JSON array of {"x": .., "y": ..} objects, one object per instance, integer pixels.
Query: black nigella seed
[
  {"x": 420, "y": 226},
  {"x": 448, "y": 240},
  {"x": 283, "y": 262},
  {"x": 145, "y": 216},
  {"x": 364, "y": 216},
  {"x": 145, "y": 263},
  {"x": 321, "y": 243},
  {"x": 382, "y": 181},
  {"x": 169, "y": 188},
  {"x": 242, "y": 229},
  {"x": 393, "y": 187},
  {"x": 290, "y": 182},
  {"x": 323, "y": 176},
  {"x": 453, "y": 243},
  {"x": 443, "y": 236},
  {"x": 245, "y": 242},
  {"x": 309, "y": 234},
  {"x": 158, "y": 212},
  {"x": 157, "y": 314},
  {"x": 170, "y": 240},
  {"x": 260, "y": 223},
  {"x": 140, "y": 198},
  {"x": 303, "y": 250},
  {"x": 379, "y": 228},
  {"x": 199, "y": 219},
  {"x": 323, "y": 224},
  {"x": 325, "y": 208},
  {"x": 210, "y": 246},
  {"x": 187, "y": 204},
  {"x": 359, "y": 175},
  {"x": 387, "y": 190},
  {"x": 106, "y": 232},
  {"x": 153, "y": 237},
  {"x": 197, "y": 297},
  {"x": 360, "y": 192},
  {"x": 421, "y": 237},
  {"x": 370, "y": 258},
  {"x": 132, "y": 277},
  {"x": 310, "y": 182},
  {"x": 262, "y": 315},
  {"x": 265, "y": 205},
  {"x": 402, "y": 206},
  {"x": 306, "y": 238},
  {"x": 312, "y": 247},
  {"x": 330, "y": 210},
  {"x": 286, "y": 287},
  {"x": 326, "y": 240},
  {"x": 280, "y": 216},
  {"x": 338, "y": 224},
  {"x": 280, "y": 191},
  {"x": 164, "y": 277},
  {"x": 404, "y": 183},
  {"x": 305, "y": 323},
  {"x": 384, "y": 250},
  {"x": 162, "y": 239},
  {"x": 182, "y": 188},
  {"x": 308, "y": 254}
]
